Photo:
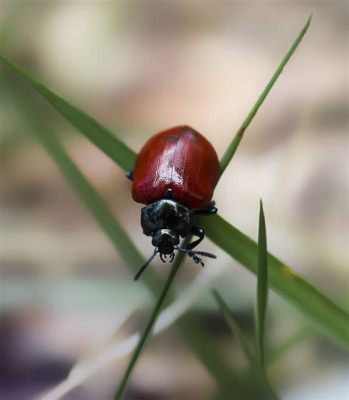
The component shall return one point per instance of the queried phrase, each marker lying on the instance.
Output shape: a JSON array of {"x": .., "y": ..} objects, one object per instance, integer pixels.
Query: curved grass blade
[
  {"x": 100, "y": 136},
  {"x": 229, "y": 153},
  {"x": 262, "y": 286},
  {"x": 324, "y": 313},
  {"x": 235, "y": 329},
  {"x": 258, "y": 373},
  {"x": 148, "y": 327}
]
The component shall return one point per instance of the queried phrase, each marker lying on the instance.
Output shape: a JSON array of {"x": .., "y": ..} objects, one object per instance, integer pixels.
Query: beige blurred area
[{"x": 140, "y": 67}]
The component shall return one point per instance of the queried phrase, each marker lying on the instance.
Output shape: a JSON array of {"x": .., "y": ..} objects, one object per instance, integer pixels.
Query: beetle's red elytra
[
  {"x": 175, "y": 175},
  {"x": 180, "y": 159}
]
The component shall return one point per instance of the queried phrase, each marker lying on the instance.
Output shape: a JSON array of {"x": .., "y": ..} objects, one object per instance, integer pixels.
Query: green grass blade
[
  {"x": 148, "y": 327},
  {"x": 229, "y": 153},
  {"x": 235, "y": 329},
  {"x": 93, "y": 130},
  {"x": 326, "y": 315},
  {"x": 258, "y": 373},
  {"x": 262, "y": 285}
]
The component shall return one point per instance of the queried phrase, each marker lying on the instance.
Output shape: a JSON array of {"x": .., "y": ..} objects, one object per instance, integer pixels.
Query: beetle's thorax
[{"x": 167, "y": 216}]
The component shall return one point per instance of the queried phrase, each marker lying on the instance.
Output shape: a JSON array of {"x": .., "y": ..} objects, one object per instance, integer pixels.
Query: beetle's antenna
[
  {"x": 140, "y": 272},
  {"x": 194, "y": 254}
]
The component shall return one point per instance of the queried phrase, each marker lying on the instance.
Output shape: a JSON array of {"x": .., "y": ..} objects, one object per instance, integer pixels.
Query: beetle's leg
[
  {"x": 193, "y": 253},
  {"x": 129, "y": 175},
  {"x": 211, "y": 209},
  {"x": 196, "y": 232}
]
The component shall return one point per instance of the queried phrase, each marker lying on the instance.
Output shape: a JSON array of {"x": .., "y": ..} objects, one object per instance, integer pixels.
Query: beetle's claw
[{"x": 196, "y": 259}]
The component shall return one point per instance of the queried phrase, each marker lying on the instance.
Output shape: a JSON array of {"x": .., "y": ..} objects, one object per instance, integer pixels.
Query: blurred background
[{"x": 140, "y": 67}]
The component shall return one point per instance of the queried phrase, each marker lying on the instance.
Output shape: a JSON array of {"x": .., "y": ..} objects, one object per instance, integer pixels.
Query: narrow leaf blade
[
  {"x": 262, "y": 285},
  {"x": 100, "y": 136},
  {"x": 229, "y": 153}
]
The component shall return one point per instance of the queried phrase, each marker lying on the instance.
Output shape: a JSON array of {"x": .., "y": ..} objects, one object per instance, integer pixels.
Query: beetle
[{"x": 175, "y": 175}]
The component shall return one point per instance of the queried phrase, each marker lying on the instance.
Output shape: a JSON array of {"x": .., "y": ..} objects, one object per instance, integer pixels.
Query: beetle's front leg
[{"x": 196, "y": 232}]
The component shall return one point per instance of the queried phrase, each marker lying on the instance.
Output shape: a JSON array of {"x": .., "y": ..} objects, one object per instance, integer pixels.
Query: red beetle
[{"x": 175, "y": 175}]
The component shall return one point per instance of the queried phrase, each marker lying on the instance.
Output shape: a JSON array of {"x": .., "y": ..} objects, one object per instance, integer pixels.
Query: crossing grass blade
[
  {"x": 235, "y": 329},
  {"x": 229, "y": 153},
  {"x": 262, "y": 286}
]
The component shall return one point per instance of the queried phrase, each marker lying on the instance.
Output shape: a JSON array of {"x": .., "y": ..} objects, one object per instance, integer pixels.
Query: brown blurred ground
[{"x": 140, "y": 67}]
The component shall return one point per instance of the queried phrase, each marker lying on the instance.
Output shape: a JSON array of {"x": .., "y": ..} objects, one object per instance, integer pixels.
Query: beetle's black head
[{"x": 165, "y": 241}]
